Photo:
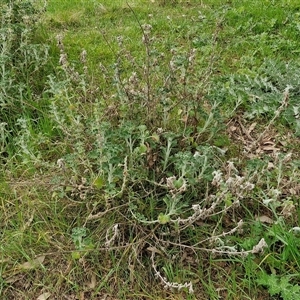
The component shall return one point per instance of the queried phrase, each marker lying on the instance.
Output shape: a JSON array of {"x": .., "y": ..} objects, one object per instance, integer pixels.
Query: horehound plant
[
  {"x": 166, "y": 190},
  {"x": 163, "y": 183},
  {"x": 22, "y": 60}
]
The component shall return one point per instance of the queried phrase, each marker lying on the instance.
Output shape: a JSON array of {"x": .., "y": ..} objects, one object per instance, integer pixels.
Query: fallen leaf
[
  {"x": 155, "y": 250},
  {"x": 292, "y": 191},
  {"x": 43, "y": 296},
  {"x": 251, "y": 127},
  {"x": 185, "y": 118},
  {"x": 232, "y": 128},
  {"x": 91, "y": 285},
  {"x": 268, "y": 145},
  {"x": 12, "y": 279},
  {"x": 33, "y": 263},
  {"x": 81, "y": 297},
  {"x": 267, "y": 142},
  {"x": 265, "y": 219}
]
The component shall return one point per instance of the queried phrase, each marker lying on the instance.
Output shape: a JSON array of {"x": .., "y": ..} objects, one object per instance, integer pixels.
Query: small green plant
[
  {"x": 279, "y": 285},
  {"x": 81, "y": 242}
]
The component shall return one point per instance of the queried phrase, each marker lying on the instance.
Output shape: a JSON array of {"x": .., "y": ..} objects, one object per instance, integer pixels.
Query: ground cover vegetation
[{"x": 149, "y": 149}]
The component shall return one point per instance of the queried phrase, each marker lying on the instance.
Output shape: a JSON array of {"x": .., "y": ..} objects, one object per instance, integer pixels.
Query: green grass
[{"x": 108, "y": 157}]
